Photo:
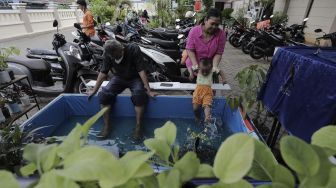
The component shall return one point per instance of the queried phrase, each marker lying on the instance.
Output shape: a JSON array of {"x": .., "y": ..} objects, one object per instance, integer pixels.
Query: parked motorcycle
[
  {"x": 76, "y": 62},
  {"x": 234, "y": 37},
  {"x": 330, "y": 36}
]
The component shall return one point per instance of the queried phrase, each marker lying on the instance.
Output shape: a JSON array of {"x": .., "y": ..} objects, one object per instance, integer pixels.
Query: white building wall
[
  {"x": 322, "y": 15},
  {"x": 296, "y": 11}
]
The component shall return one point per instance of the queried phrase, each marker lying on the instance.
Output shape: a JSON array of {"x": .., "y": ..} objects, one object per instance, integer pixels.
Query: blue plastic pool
[{"x": 62, "y": 114}]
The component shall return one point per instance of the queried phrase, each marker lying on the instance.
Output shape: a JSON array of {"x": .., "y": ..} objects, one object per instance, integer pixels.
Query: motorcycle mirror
[
  {"x": 77, "y": 25},
  {"x": 318, "y": 30},
  {"x": 272, "y": 16},
  {"x": 55, "y": 23},
  {"x": 177, "y": 20},
  {"x": 306, "y": 19},
  {"x": 107, "y": 23},
  {"x": 98, "y": 19}
]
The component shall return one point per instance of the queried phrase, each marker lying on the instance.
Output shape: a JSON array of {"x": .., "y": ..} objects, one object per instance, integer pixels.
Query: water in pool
[{"x": 121, "y": 138}]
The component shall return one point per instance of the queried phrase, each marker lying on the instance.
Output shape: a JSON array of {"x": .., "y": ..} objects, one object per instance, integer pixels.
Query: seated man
[{"x": 128, "y": 69}]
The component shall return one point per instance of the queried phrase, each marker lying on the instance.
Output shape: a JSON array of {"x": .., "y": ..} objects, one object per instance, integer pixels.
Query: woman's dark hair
[
  {"x": 213, "y": 12},
  {"x": 82, "y": 2}
]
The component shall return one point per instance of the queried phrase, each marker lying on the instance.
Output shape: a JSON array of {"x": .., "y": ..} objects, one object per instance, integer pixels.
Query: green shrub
[{"x": 73, "y": 163}]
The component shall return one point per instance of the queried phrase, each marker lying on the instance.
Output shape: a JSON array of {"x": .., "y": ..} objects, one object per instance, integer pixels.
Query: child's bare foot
[{"x": 207, "y": 120}]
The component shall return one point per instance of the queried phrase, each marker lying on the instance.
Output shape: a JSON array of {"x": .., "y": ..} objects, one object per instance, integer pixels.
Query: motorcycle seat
[
  {"x": 33, "y": 64},
  {"x": 95, "y": 39},
  {"x": 165, "y": 35},
  {"x": 35, "y": 51},
  {"x": 164, "y": 43},
  {"x": 277, "y": 37}
]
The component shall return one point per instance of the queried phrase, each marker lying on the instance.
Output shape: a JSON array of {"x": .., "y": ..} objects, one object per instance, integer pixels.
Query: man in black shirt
[{"x": 128, "y": 69}]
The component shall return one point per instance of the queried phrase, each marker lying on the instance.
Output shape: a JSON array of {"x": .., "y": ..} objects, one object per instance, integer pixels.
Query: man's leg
[
  {"x": 107, "y": 98},
  {"x": 139, "y": 99}
]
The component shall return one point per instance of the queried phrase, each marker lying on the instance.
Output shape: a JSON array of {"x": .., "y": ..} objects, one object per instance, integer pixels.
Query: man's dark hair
[
  {"x": 111, "y": 48},
  {"x": 213, "y": 12},
  {"x": 82, "y": 2},
  {"x": 206, "y": 62}
]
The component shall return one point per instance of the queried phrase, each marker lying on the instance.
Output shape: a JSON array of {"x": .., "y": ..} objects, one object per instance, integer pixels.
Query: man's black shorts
[{"x": 117, "y": 85}]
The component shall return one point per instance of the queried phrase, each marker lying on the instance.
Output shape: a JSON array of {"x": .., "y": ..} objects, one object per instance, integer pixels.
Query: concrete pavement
[{"x": 41, "y": 41}]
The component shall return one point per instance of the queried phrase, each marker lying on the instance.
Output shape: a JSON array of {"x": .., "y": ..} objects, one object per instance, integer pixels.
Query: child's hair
[{"x": 206, "y": 62}]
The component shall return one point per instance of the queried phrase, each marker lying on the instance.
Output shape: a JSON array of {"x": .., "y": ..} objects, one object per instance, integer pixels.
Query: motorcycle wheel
[
  {"x": 235, "y": 41},
  {"x": 255, "y": 53},
  {"x": 245, "y": 47},
  {"x": 80, "y": 87}
]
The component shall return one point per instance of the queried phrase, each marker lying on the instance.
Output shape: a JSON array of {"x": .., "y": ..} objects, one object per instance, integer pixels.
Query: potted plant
[
  {"x": 13, "y": 98},
  {"x": 4, "y": 54}
]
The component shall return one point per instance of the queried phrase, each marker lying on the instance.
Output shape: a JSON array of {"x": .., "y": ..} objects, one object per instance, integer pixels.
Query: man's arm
[
  {"x": 144, "y": 79},
  {"x": 100, "y": 79}
]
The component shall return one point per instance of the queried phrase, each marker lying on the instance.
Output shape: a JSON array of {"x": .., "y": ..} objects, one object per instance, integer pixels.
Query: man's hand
[
  {"x": 91, "y": 94},
  {"x": 152, "y": 93}
]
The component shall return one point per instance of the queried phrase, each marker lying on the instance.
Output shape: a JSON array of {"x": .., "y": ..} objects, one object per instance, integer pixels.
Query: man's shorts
[
  {"x": 203, "y": 95},
  {"x": 117, "y": 85}
]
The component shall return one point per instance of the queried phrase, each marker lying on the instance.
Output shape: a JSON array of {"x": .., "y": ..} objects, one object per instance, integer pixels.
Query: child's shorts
[{"x": 202, "y": 95}]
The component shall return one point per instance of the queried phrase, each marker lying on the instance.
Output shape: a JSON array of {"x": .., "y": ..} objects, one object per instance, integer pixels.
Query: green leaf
[
  {"x": 332, "y": 178},
  {"x": 130, "y": 184},
  {"x": 176, "y": 151},
  {"x": 263, "y": 162},
  {"x": 239, "y": 184},
  {"x": 93, "y": 163},
  {"x": 31, "y": 152},
  {"x": 160, "y": 148},
  {"x": 283, "y": 176},
  {"x": 234, "y": 158},
  {"x": 188, "y": 166},
  {"x": 205, "y": 171},
  {"x": 273, "y": 185},
  {"x": 29, "y": 169},
  {"x": 144, "y": 171},
  {"x": 133, "y": 161},
  {"x": 52, "y": 180},
  {"x": 326, "y": 138},
  {"x": 321, "y": 177},
  {"x": 171, "y": 179},
  {"x": 44, "y": 156},
  {"x": 88, "y": 124},
  {"x": 48, "y": 157},
  {"x": 71, "y": 143},
  {"x": 166, "y": 133},
  {"x": 8, "y": 180},
  {"x": 149, "y": 182},
  {"x": 299, "y": 156}
]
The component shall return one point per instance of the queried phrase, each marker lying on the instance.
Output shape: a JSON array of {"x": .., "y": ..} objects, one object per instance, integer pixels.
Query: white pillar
[{"x": 23, "y": 15}]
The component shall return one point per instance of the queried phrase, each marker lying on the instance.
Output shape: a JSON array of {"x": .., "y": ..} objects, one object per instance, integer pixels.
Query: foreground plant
[{"x": 74, "y": 164}]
